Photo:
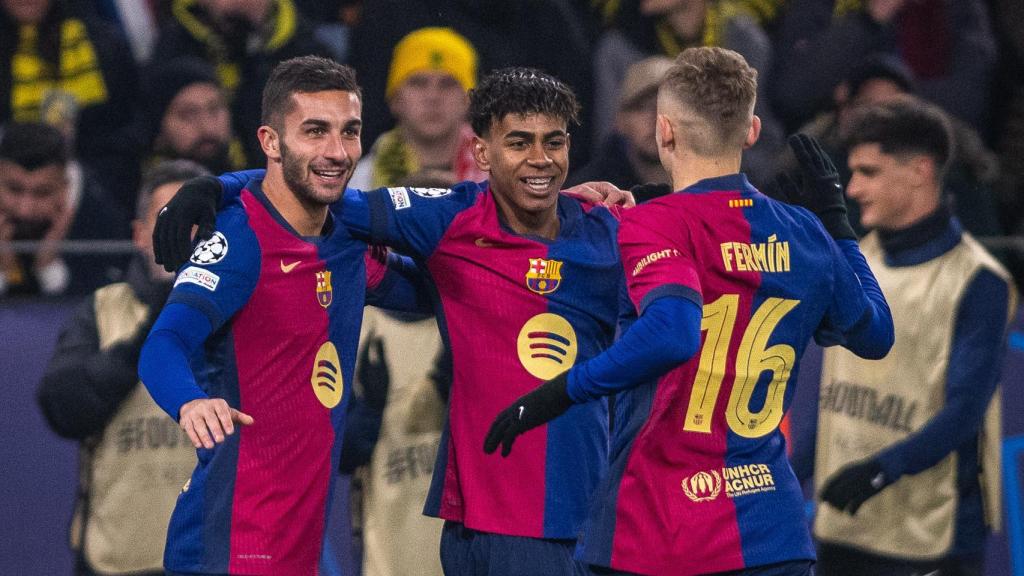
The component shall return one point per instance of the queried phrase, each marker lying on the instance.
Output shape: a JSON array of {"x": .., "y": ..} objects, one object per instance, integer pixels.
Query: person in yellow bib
[{"x": 907, "y": 455}]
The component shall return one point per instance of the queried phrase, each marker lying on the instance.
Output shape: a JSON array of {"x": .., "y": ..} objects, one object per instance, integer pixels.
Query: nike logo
[
  {"x": 521, "y": 409},
  {"x": 286, "y": 268},
  {"x": 483, "y": 243}
]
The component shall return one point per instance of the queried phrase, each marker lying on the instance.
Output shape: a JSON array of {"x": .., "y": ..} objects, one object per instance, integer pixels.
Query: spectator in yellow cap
[{"x": 431, "y": 71}]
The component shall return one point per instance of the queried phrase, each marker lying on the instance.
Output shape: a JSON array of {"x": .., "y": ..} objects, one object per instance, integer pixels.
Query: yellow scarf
[{"x": 77, "y": 74}]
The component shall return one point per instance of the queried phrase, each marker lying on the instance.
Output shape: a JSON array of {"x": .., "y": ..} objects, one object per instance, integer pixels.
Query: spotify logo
[
  {"x": 547, "y": 345},
  {"x": 326, "y": 378}
]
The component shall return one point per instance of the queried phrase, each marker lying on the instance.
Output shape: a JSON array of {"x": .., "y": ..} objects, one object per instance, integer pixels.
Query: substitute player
[
  {"x": 730, "y": 285},
  {"x": 528, "y": 282},
  {"x": 275, "y": 299}
]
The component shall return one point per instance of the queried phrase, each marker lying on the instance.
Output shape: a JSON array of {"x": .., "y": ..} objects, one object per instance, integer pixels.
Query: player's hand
[
  {"x": 604, "y": 193},
  {"x": 373, "y": 373},
  {"x": 195, "y": 204},
  {"x": 819, "y": 190},
  {"x": 547, "y": 402},
  {"x": 208, "y": 421},
  {"x": 853, "y": 485}
]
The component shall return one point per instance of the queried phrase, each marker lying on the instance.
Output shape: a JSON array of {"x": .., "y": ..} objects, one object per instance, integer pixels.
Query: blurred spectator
[
  {"x": 542, "y": 34},
  {"x": 400, "y": 371},
  {"x": 53, "y": 52},
  {"x": 47, "y": 197},
  {"x": 137, "y": 22},
  {"x": 133, "y": 460},
  {"x": 1009, "y": 124},
  {"x": 430, "y": 73},
  {"x": 187, "y": 116},
  {"x": 667, "y": 27},
  {"x": 629, "y": 155},
  {"x": 883, "y": 78},
  {"x": 907, "y": 460},
  {"x": 948, "y": 44},
  {"x": 243, "y": 40}
]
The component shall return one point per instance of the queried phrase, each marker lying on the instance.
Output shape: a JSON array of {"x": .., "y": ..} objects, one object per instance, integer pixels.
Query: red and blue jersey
[
  {"x": 284, "y": 313},
  {"x": 699, "y": 480},
  {"x": 515, "y": 310}
]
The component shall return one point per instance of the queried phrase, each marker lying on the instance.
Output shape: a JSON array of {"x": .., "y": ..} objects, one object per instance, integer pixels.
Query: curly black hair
[{"x": 520, "y": 91}]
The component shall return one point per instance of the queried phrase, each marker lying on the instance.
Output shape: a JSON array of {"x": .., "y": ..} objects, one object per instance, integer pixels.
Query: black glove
[
  {"x": 373, "y": 373},
  {"x": 195, "y": 203},
  {"x": 819, "y": 189},
  {"x": 644, "y": 192},
  {"x": 549, "y": 401},
  {"x": 854, "y": 485}
]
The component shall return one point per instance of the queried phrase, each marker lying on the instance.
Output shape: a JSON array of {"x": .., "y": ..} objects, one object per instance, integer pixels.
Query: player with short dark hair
[
  {"x": 528, "y": 281},
  {"x": 699, "y": 480},
  {"x": 904, "y": 129},
  {"x": 268, "y": 309}
]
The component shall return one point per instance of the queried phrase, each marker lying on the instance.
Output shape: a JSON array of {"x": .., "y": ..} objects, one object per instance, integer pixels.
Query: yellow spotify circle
[
  {"x": 326, "y": 378},
  {"x": 547, "y": 345}
]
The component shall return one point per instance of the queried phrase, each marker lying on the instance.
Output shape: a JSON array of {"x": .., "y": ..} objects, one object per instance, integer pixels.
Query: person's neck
[
  {"x": 688, "y": 169},
  {"x": 306, "y": 218},
  {"x": 433, "y": 152},
  {"x": 543, "y": 224}
]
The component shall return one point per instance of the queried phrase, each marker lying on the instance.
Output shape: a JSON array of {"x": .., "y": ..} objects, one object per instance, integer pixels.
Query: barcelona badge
[
  {"x": 324, "y": 294},
  {"x": 544, "y": 276}
]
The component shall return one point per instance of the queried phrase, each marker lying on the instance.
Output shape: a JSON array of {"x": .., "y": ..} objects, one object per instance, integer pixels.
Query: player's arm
[
  {"x": 205, "y": 296},
  {"x": 83, "y": 385},
  {"x": 859, "y": 318},
  {"x": 395, "y": 282},
  {"x": 979, "y": 342}
]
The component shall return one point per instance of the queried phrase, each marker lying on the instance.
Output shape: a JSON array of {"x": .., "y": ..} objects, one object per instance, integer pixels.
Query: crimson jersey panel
[
  {"x": 516, "y": 311},
  {"x": 286, "y": 312},
  {"x": 699, "y": 480}
]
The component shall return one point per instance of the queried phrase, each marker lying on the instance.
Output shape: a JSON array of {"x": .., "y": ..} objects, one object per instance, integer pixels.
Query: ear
[
  {"x": 480, "y": 154},
  {"x": 666, "y": 133},
  {"x": 270, "y": 141},
  {"x": 141, "y": 237},
  {"x": 923, "y": 170},
  {"x": 753, "y": 133}
]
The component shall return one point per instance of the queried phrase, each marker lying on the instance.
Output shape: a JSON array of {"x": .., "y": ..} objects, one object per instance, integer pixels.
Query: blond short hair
[{"x": 719, "y": 88}]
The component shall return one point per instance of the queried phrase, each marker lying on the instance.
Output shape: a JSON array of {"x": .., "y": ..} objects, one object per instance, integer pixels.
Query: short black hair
[
  {"x": 905, "y": 126},
  {"x": 32, "y": 145},
  {"x": 305, "y": 74},
  {"x": 165, "y": 172},
  {"x": 520, "y": 91}
]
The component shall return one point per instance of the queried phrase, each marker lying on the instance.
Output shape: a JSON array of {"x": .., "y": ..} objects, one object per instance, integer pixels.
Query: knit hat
[
  {"x": 163, "y": 81},
  {"x": 440, "y": 49}
]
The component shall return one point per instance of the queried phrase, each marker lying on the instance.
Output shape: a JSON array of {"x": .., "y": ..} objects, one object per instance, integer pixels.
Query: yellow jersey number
[{"x": 753, "y": 357}]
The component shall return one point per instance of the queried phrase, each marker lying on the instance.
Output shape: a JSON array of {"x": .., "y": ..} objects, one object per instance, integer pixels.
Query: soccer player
[
  {"x": 528, "y": 282},
  {"x": 699, "y": 479},
  {"x": 274, "y": 298}
]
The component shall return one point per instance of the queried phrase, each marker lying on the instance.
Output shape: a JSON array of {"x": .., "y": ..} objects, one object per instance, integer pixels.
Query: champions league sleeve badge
[{"x": 210, "y": 251}]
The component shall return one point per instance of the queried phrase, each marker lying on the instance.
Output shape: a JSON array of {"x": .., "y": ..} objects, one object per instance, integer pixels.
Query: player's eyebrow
[{"x": 526, "y": 135}]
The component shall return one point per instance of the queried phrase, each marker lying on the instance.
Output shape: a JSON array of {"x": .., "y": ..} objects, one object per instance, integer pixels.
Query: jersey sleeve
[
  {"x": 232, "y": 183},
  {"x": 396, "y": 283},
  {"x": 222, "y": 272},
  {"x": 858, "y": 317},
  {"x": 410, "y": 220},
  {"x": 657, "y": 257}
]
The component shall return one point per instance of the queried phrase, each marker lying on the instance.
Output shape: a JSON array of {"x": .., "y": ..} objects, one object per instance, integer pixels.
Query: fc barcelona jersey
[
  {"x": 699, "y": 480},
  {"x": 516, "y": 310},
  {"x": 286, "y": 311}
]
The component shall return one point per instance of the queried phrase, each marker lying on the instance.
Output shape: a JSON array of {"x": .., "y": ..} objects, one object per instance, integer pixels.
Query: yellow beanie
[{"x": 432, "y": 49}]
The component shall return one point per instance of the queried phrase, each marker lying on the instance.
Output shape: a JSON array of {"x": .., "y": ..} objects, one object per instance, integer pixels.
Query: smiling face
[
  {"x": 527, "y": 157},
  {"x": 317, "y": 144}
]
